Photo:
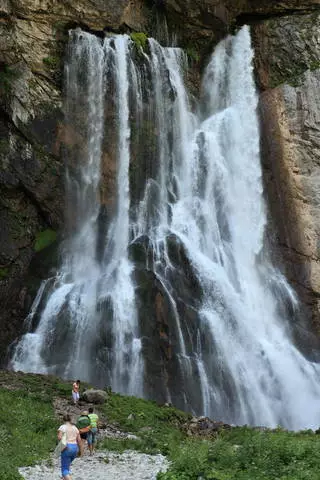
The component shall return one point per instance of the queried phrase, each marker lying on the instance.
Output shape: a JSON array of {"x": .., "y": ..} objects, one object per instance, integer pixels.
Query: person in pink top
[
  {"x": 73, "y": 444},
  {"x": 75, "y": 391}
]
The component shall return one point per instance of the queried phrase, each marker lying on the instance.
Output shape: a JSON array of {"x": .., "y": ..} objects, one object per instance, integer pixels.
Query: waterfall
[
  {"x": 64, "y": 341},
  {"x": 166, "y": 289}
]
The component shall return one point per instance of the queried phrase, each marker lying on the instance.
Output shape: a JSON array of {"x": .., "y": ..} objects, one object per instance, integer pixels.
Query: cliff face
[
  {"x": 33, "y": 34},
  {"x": 288, "y": 61}
]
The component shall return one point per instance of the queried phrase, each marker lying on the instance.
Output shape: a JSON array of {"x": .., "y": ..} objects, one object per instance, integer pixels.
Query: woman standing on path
[{"x": 73, "y": 445}]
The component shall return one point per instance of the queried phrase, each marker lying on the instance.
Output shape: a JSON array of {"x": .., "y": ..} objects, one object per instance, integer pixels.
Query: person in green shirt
[
  {"x": 84, "y": 426},
  {"x": 94, "y": 419}
]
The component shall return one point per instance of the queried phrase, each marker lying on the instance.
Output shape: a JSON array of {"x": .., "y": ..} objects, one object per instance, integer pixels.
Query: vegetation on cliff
[
  {"x": 29, "y": 427},
  {"x": 44, "y": 239}
]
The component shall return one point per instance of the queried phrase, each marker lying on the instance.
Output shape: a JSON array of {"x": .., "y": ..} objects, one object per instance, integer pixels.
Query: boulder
[
  {"x": 95, "y": 396},
  {"x": 204, "y": 427}
]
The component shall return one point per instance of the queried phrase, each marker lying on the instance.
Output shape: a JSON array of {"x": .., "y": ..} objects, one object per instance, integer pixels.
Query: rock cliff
[
  {"x": 287, "y": 63},
  {"x": 33, "y": 34}
]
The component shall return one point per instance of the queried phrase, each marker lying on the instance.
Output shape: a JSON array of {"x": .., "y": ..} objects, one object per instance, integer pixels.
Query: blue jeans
[
  {"x": 92, "y": 436},
  {"x": 67, "y": 457}
]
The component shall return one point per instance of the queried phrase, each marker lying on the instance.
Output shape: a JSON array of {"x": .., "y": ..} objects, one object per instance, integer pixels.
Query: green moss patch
[
  {"x": 4, "y": 272},
  {"x": 44, "y": 239},
  {"x": 140, "y": 40},
  {"x": 7, "y": 76},
  {"x": 51, "y": 62},
  {"x": 193, "y": 54}
]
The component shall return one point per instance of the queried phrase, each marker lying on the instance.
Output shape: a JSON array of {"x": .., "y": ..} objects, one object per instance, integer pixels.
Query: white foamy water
[{"x": 190, "y": 195}]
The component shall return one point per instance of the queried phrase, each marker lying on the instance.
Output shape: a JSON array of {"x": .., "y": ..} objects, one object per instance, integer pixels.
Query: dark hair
[
  {"x": 67, "y": 417},
  {"x": 90, "y": 409},
  {"x": 78, "y": 381}
]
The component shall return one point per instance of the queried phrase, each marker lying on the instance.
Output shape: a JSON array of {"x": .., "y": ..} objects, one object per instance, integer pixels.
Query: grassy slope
[
  {"x": 28, "y": 429},
  {"x": 28, "y": 426},
  {"x": 239, "y": 454}
]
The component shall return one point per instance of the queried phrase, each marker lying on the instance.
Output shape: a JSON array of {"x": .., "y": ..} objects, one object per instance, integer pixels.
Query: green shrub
[{"x": 140, "y": 40}]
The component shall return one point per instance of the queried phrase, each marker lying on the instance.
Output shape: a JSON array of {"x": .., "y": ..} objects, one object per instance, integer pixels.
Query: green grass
[
  {"x": 28, "y": 431},
  {"x": 247, "y": 454},
  {"x": 241, "y": 453},
  {"x": 28, "y": 425},
  {"x": 158, "y": 428},
  {"x": 44, "y": 239}
]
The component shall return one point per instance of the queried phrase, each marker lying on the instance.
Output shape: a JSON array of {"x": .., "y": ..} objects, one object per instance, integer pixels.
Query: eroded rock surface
[{"x": 288, "y": 61}]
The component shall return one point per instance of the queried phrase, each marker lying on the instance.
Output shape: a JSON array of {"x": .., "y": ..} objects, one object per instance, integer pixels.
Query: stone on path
[{"x": 95, "y": 396}]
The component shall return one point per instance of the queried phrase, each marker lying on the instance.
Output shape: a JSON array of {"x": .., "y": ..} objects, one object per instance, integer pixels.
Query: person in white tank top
[{"x": 73, "y": 445}]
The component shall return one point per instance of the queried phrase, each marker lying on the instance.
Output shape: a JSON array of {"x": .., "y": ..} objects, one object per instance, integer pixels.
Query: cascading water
[
  {"x": 64, "y": 341},
  {"x": 172, "y": 296}
]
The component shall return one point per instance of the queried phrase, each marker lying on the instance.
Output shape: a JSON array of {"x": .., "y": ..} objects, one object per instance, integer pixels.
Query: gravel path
[{"x": 103, "y": 466}]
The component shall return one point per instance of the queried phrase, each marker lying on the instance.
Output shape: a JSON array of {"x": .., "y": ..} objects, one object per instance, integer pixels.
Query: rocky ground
[{"x": 128, "y": 465}]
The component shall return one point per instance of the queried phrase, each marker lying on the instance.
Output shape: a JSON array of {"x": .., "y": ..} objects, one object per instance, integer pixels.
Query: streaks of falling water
[
  {"x": 196, "y": 203},
  {"x": 63, "y": 342}
]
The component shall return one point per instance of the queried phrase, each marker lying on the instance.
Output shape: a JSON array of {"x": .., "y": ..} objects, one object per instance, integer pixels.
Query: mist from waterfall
[{"x": 188, "y": 224}]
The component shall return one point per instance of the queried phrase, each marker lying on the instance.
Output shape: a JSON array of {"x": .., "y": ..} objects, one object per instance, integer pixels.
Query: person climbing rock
[
  {"x": 73, "y": 444},
  {"x": 92, "y": 434},
  {"x": 75, "y": 391},
  {"x": 84, "y": 426}
]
